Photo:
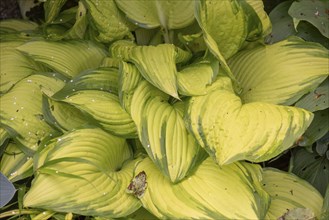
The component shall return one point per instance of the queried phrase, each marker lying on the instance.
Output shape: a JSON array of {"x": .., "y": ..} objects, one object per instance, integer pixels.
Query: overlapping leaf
[
  {"x": 14, "y": 25},
  {"x": 162, "y": 132},
  {"x": 129, "y": 78},
  {"x": 157, "y": 65},
  {"x": 21, "y": 110},
  {"x": 151, "y": 14},
  {"x": 14, "y": 65},
  {"x": 209, "y": 193},
  {"x": 224, "y": 22},
  {"x": 52, "y": 8},
  {"x": 296, "y": 67},
  {"x": 108, "y": 20},
  {"x": 86, "y": 172},
  {"x": 318, "y": 128},
  {"x": 317, "y": 99},
  {"x": 287, "y": 192},
  {"x": 4, "y": 136},
  {"x": 15, "y": 165},
  {"x": 315, "y": 12},
  {"x": 257, "y": 19},
  {"x": 67, "y": 57},
  {"x": 103, "y": 107},
  {"x": 231, "y": 131},
  {"x": 64, "y": 116},
  {"x": 102, "y": 78},
  {"x": 311, "y": 167},
  {"x": 203, "y": 72},
  {"x": 57, "y": 29}
]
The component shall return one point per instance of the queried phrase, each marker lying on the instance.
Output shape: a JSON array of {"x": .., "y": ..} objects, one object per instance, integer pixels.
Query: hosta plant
[{"x": 124, "y": 109}]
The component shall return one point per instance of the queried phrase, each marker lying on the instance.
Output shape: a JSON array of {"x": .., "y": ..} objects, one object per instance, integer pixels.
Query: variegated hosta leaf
[
  {"x": 108, "y": 20},
  {"x": 103, "y": 107},
  {"x": 157, "y": 65},
  {"x": 129, "y": 78},
  {"x": 81, "y": 22},
  {"x": 12, "y": 158},
  {"x": 121, "y": 49},
  {"x": 169, "y": 14},
  {"x": 232, "y": 131},
  {"x": 14, "y": 65},
  {"x": 111, "y": 62},
  {"x": 21, "y": 110},
  {"x": 52, "y": 8},
  {"x": 85, "y": 172},
  {"x": 280, "y": 73},
  {"x": 102, "y": 78},
  {"x": 162, "y": 132},
  {"x": 64, "y": 116},
  {"x": 210, "y": 192},
  {"x": 224, "y": 22},
  {"x": 262, "y": 24},
  {"x": 17, "y": 25},
  {"x": 66, "y": 57},
  {"x": 206, "y": 13},
  {"x": 77, "y": 31},
  {"x": 287, "y": 192},
  {"x": 15, "y": 164},
  {"x": 4, "y": 136},
  {"x": 205, "y": 74}
]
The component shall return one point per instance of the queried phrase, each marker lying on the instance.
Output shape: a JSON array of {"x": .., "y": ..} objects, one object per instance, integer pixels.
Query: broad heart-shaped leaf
[
  {"x": 162, "y": 131},
  {"x": 7, "y": 190},
  {"x": 232, "y": 131},
  {"x": 66, "y": 57},
  {"x": 210, "y": 192},
  {"x": 14, "y": 65},
  {"x": 157, "y": 65},
  {"x": 86, "y": 172},
  {"x": 104, "y": 108},
  {"x": 311, "y": 167},
  {"x": 287, "y": 192},
  {"x": 315, "y": 12},
  {"x": 169, "y": 14},
  {"x": 296, "y": 67},
  {"x": 108, "y": 20},
  {"x": 21, "y": 110}
]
